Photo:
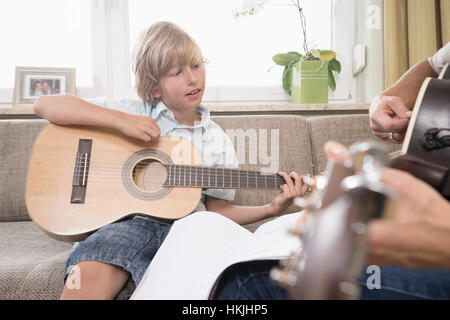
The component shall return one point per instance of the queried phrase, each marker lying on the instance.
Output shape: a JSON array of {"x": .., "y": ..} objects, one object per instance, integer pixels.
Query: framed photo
[{"x": 32, "y": 82}]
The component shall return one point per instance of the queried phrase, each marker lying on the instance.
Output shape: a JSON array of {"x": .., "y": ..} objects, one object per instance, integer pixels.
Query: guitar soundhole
[
  {"x": 143, "y": 174},
  {"x": 149, "y": 175}
]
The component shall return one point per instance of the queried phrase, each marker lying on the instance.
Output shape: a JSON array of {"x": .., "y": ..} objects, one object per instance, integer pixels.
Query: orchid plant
[{"x": 287, "y": 60}]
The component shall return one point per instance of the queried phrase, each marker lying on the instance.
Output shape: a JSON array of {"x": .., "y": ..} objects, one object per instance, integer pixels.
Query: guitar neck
[{"x": 220, "y": 178}]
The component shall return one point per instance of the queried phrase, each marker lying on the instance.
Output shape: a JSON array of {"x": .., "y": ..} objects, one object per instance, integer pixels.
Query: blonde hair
[{"x": 158, "y": 49}]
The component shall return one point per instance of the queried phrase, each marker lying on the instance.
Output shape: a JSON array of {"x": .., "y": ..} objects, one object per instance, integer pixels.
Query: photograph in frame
[{"x": 32, "y": 82}]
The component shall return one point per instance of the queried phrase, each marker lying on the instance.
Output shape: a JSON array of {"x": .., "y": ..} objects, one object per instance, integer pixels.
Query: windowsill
[
  {"x": 237, "y": 109},
  {"x": 283, "y": 107},
  {"x": 5, "y": 109}
]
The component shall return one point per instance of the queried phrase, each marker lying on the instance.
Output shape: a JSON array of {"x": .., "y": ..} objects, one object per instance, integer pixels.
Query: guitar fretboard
[{"x": 220, "y": 178}]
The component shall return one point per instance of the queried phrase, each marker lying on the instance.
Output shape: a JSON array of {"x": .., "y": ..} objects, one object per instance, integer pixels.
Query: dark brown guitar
[
  {"x": 334, "y": 239},
  {"x": 426, "y": 150}
]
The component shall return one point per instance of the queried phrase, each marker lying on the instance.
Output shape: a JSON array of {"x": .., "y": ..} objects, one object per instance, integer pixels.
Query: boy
[{"x": 170, "y": 80}]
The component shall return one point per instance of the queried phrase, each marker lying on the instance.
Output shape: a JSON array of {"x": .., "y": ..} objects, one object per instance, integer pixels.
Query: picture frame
[{"x": 32, "y": 82}]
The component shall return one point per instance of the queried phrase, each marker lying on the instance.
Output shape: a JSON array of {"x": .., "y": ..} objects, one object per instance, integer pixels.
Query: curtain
[{"x": 413, "y": 31}]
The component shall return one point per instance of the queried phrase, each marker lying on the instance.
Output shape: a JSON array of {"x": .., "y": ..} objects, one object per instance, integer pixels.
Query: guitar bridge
[{"x": 81, "y": 171}]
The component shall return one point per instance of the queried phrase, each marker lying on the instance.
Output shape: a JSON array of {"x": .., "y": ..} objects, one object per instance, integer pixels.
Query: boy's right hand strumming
[
  {"x": 139, "y": 127},
  {"x": 67, "y": 109}
]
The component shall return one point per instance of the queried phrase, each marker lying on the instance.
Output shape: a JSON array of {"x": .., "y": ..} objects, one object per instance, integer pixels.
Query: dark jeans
[{"x": 251, "y": 281}]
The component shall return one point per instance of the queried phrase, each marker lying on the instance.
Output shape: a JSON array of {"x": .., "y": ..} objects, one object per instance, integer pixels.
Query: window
[
  {"x": 97, "y": 37},
  {"x": 45, "y": 33},
  {"x": 240, "y": 50}
]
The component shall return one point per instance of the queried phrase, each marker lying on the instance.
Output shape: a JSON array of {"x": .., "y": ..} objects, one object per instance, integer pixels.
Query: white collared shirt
[
  {"x": 440, "y": 59},
  {"x": 208, "y": 137}
]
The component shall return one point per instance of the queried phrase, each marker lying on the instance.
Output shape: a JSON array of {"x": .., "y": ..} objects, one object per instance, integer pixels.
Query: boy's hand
[
  {"x": 290, "y": 190},
  {"x": 139, "y": 127}
]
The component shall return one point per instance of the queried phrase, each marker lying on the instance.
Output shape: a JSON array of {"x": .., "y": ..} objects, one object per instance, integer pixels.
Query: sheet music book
[{"x": 202, "y": 245}]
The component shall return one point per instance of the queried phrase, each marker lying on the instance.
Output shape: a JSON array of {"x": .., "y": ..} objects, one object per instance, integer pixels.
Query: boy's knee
[
  {"x": 93, "y": 279},
  {"x": 100, "y": 271}
]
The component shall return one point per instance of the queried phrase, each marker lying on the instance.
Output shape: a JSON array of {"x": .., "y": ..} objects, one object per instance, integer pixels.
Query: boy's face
[{"x": 182, "y": 88}]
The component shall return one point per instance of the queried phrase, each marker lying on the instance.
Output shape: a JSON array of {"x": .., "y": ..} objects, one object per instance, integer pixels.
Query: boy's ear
[{"x": 156, "y": 93}]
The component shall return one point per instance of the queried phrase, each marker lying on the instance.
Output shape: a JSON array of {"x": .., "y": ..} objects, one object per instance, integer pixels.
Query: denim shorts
[{"x": 130, "y": 244}]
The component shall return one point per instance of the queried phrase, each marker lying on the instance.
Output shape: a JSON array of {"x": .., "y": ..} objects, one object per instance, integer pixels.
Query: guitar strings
[
  {"x": 115, "y": 164},
  {"x": 187, "y": 177},
  {"x": 220, "y": 174},
  {"x": 180, "y": 169},
  {"x": 119, "y": 164},
  {"x": 187, "y": 170},
  {"x": 181, "y": 172},
  {"x": 250, "y": 184},
  {"x": 178, "y": 176}
]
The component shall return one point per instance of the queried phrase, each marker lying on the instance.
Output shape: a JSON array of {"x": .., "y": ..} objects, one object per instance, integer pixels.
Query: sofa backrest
[
  {"x": 17, "y": 139},
  {"x": 346, "y": 129},
  {"x": 269, "y": 142},
  {"x": 275, "y": 142}
]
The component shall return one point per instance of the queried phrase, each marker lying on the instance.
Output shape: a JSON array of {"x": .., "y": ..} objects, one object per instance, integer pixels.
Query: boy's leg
[
  {"x": 94, "y": 280},
  {"x": 396, "y": 283},
  {"x": 100, "y": 266},
  {"x": 250, "y": 281}
]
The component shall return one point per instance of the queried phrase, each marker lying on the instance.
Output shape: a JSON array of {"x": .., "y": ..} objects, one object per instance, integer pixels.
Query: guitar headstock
[{"x": 333, "y": 232}]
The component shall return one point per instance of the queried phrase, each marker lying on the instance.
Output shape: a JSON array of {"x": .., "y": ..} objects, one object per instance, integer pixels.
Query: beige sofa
[{"x": 32, "y": 264}]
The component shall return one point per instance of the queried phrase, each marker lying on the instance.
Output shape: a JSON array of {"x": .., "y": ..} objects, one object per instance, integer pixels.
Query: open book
[{"x": 201, "y": 246}]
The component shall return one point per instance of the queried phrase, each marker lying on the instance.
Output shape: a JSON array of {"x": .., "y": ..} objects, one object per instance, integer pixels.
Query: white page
[{"x": 199, "y": 247}]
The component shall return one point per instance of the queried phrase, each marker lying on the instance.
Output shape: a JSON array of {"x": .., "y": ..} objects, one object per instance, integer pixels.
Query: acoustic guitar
[
  {"x": 81, "y": 178},
  {"x": 334, "y": 236},
  {"x": 425, "y": 152}
]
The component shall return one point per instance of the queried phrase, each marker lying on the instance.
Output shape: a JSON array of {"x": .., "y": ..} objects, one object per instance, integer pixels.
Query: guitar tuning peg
[
  {"x": 282, "y": 277},
  {"x": 293, "y": 231},
  {"x": 359, "y": 228},
  {"x": 309, "y": 180},
  {"x": 301, "y": 202},
  {"x": 349, "y": 289},
  {"x": 277, "y": 275},
  {"x": 284, "y": 262}
]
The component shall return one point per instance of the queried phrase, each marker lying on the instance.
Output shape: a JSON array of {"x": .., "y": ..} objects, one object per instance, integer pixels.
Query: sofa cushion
[
  {"x": 31, "y": 264},
  {"x": 282, "y": 137},
  {"x": 346, "y": 129},
  {"x": 15, "y": 152}
]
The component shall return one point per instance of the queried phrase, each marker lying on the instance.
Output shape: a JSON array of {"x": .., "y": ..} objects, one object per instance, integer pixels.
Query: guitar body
[
  {"x": 445, "y": 73},
  {"x": 334, "y": 241},
  {"x": 426, "y": 150},
  {"x": 113, "y": 185},
  {"x": 432, "y": 110}
]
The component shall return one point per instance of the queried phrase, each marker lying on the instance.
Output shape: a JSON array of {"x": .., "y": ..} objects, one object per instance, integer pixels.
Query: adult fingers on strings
[{"x": 391, "y": 116}]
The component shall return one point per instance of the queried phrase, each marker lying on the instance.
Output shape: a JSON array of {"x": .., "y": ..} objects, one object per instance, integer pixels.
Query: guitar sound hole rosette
[{"x": 131, "y": 169}]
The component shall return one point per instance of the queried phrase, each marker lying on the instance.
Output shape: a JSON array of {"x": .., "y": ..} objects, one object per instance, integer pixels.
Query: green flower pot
[{"x": 309, "y": 82}]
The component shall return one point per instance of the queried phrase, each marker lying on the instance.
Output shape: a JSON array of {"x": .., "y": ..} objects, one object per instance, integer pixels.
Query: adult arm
[{"x": 389, "y": 110}]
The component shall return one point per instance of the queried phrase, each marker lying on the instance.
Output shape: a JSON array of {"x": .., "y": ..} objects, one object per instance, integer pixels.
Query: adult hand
[
  {"x": 418, "y": 234},
  {"x": 389, "y": 118}
]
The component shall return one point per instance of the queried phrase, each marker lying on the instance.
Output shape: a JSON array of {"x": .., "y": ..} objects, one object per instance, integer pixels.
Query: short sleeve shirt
[
  {"x": 440, "y": 59},
  {"x": 214, "y": 146}
]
